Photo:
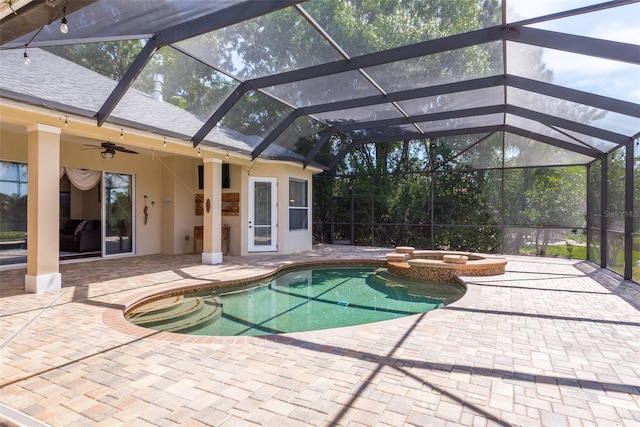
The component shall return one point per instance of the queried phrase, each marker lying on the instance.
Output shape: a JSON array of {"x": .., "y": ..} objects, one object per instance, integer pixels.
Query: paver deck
[{"x": 552, "y": 342}]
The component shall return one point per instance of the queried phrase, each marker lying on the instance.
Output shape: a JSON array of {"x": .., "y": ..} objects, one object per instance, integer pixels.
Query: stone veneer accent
[{"x": 430, "y": 265}]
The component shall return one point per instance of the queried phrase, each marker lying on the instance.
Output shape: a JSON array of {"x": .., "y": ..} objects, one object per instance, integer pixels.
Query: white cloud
[
  {"x": 621, "y": 24},
  {"x": 618, "y": 31},
  {"x": 610, "y": 78},
  {"x": 570, "y": 63},
  {"x": 525, "y": 9}
]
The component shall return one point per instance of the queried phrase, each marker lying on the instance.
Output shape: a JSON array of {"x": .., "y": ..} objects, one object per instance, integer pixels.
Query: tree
[
  {"x": 616, "y": 213},
  {"x": 111, "y": 59},
  {"x": 543, "y": 198}
]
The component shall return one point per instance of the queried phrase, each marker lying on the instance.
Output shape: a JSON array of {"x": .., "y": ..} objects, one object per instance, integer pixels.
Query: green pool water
[{"x": 297, "y": 301}]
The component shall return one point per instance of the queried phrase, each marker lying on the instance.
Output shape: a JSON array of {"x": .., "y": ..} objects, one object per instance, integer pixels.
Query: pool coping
[{"x": 114, "y": 317}]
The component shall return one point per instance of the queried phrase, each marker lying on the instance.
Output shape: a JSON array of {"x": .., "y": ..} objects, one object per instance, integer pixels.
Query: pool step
[
  {"x": 211, "y": 312},
  {"x": 176, "y": 311},
  {"x": 180, "y": 315},
  {"x": 158, "y": 306}
]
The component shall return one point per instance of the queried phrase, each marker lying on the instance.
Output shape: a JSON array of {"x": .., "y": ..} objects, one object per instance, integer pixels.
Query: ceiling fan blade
[{"x": 123, "y": 150}]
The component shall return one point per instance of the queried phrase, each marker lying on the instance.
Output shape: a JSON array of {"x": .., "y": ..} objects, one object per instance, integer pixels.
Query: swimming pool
[{"x": 296, "y": 301}]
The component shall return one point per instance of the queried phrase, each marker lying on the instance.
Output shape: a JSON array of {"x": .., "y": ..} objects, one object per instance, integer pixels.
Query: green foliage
[
  {"x": 561, "y": 251},
  {"x": 616, "y": 213},
  {"x": 9, "y": 236},
  {"x": 13, "y": 213},
  {"x": 111, "y": 59},
  {"x": 554, "y": 197},
  {"x": 396, "y": 199}
]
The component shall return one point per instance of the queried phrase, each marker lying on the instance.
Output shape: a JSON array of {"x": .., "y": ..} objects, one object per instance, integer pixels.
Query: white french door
[{"x": 263, "y": 214}]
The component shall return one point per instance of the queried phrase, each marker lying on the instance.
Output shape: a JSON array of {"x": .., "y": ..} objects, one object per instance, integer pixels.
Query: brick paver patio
[{"x": 552, "y": 342}]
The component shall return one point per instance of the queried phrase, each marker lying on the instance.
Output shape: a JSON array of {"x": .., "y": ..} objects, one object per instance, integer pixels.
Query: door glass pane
[
  {"x": 262, "y": 236},
  {"x": 118, "y": 213},
  {"x": 262, "y": 223},
  {"x": 13, "y": 213}
]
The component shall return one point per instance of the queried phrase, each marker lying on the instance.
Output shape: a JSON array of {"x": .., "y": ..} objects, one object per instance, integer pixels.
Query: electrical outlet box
[{"x": 186, "y": 238}]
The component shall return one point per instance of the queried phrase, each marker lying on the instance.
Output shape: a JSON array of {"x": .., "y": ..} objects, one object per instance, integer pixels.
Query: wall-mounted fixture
[{"x": 145, "y": 211}]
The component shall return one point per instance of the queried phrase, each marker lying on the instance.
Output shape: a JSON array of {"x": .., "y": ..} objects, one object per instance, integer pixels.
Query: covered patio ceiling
[{"x": 311, "y": 80}]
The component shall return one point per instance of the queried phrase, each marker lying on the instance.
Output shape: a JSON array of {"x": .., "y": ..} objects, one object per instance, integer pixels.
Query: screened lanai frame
[{"x": 334, "y": 95}]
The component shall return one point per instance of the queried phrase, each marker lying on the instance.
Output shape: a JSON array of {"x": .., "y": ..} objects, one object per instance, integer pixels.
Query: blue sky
[
  {"x": 609, "y": 78},
  {"x": 600, "y": 76}
]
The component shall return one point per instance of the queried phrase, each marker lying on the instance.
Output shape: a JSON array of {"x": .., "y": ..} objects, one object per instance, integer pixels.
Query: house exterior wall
[
  {"x": 288, "y": 241},
  {"x": 233, "y": 221},
  {"x": 83, "y": 206},
  {"x": 296, "y": 240},
  {"x": 178, "y": 203},
  {"x": 161, "y": 173},
  {"x": 13, "y": 146},
  {"x": 146, "y": 171}
]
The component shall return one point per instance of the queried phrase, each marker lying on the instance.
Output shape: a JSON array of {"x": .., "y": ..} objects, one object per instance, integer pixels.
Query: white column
[
  {"x": 212, "y": 216},
  {"x": 43, "y": 209}
]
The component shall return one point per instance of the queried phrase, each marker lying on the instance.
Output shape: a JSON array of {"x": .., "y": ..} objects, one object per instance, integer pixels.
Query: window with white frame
[{"x": 298, "y": 205}]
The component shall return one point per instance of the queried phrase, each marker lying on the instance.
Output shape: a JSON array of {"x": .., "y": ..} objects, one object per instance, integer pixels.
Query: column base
[
  {"x": 43, "y": 283},
  {"x": 212, "y": 258}
]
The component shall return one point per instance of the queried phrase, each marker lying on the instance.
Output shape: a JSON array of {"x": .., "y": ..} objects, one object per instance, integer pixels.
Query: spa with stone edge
[{"x": 442, "y": 266}]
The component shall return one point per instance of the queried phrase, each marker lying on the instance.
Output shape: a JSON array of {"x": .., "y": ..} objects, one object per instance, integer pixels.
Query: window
[
  {"x": 13, "y": 212},
  {"x": 226, "y": 181},
  {"x": 13, "y": 193},
  {"x": 298, "y": 205}
]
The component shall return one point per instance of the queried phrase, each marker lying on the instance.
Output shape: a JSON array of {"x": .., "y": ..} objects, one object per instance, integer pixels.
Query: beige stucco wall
[
  {"x": 233, "y": 221},
  {"x": 13, "y": 146},
  {"x": 288, "y": 241},
  {"x": 142, "y": 166},
  {"x": 177, "y": 202}
]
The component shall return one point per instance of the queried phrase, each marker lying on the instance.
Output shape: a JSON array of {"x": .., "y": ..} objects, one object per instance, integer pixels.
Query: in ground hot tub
[{"x": 442, "y": 266}]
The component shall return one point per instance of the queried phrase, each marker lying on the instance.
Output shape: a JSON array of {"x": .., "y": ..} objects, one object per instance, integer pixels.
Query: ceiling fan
[{"x": 110, "y": 149}]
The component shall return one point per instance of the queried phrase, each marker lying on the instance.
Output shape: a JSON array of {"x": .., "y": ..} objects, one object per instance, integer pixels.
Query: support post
[
  {"x": 43, "y": 209},
  {"x": 212, "y": 215}
]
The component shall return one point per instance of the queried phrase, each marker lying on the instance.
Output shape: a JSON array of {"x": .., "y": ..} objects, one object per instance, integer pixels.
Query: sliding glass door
[{"x": 118, "y": 213}]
